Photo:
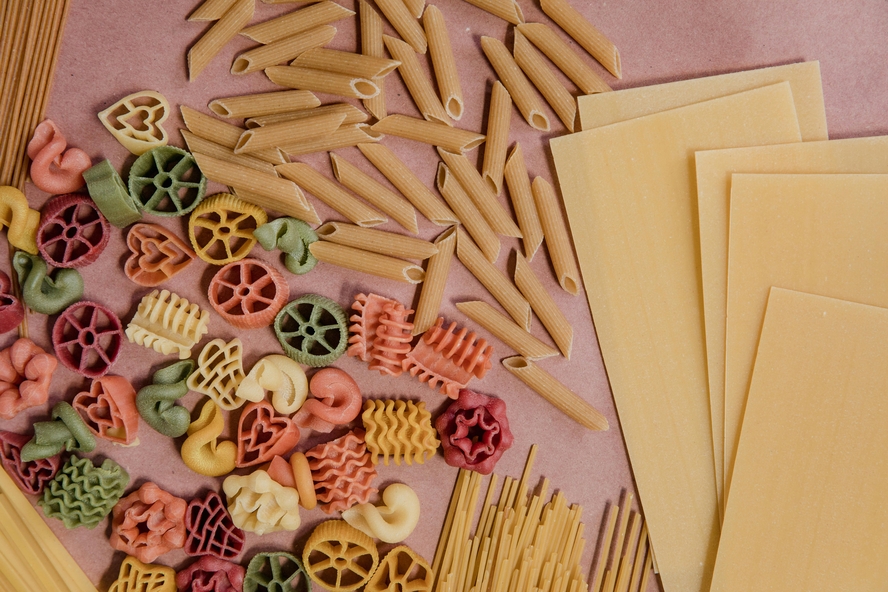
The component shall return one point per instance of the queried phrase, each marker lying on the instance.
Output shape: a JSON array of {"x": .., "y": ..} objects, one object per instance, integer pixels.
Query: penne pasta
[
  {"x": 416, "y": 7},
  {"x": 377, "y": 241},
  {"x": 508, "y": 10},
  {"x": 390, "y": 203},
  {"x": 297, "y": 21},
  {"x": 284, "y": 50},
  {"x": 564, "y": 58},
  {"x": 567, "y": 401},
  {"x": 516, "y": 83},
  {"x": 556, "y": 234},
  {"x": 218, "y": 36},
  {"x": 443, "y": 62},
  {"x": 545, "y": 81},
  {"x": 469, "y": 216},
  {"x": 331, "y": 193},
  {"x": 498, "y": 117},
  {"x": 346, "y": 62},
  {"x": 494, "y": 280},
  {"x": 318, "y": 125},
  {"x": 322, "y": 81},
  {"x": 583, "y": 32},
  {"x": 367, "y": 262},
  {"x": 432, "y": 292},
  {"x": 505, "y": 329},
  {"x": 221, "y": 132},
  {"x": 482, "y": 196},
  {"x": 543, "y": 306},
  {"x": 351, "y": 115},
  {"x": 404, "y": 23},
  {"x": 258, "y": 105},
  {"x": 522, "y": 202},
  {"x": 347, "y": 135},
  {"x": 408, "y": 184},
  {"x": 210, "y": 10},
  {"x": 449, "y": 138},
  {"x": 310, "y": 216},
  {"x": 203, "y": 146},
  {"x": 418, "y": 85},
  {"x": 372, "y": 45}
]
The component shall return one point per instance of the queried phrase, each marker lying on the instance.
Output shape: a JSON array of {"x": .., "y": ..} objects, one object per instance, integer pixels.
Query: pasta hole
[
  {"x": 454, "y": 109},
  {"x": 539, "y": 121},
  {"x": 219, "y": 109},
  {"x": 365, "y": 88},
  {"x": 240, "y": 65},
  {"x": 414, "y": 274}
]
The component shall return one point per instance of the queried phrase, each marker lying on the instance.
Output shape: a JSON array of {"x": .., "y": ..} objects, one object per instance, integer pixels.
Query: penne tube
[
  {"x": 545, "y": 81},
  {"x": 218, "y": 36},
  {"x": 483, "y": 197},
  {"x": 418, "y": 85},
  {"x": 316, "y": 126},
  {"x": 372, "y": 45},
  {"x": 387, "y": 201},
  {"x": 516, "y": 83},
  {"x": 498, "y": 118},
  {"x": 284, "y": 50},
  {"x": 331, "y": 193},
  {"x": 351, "y": 115},
  {"x": 322, "y": 81},
  {"x": 494, "y": 280},
  {"x": 346, "y": 62},
  {"x": 297, "y": 21},
  {"x": 505, "y": 329},
  {"x": 198, "y": 144},
  {"x": 556, "y": 234},
  {"x": 564, "y": 58},
  {"x": 416, "y": 7},
  {"x": 432, "y": 292},
  {"x": 377, "y": 241},
  {"x": 258, "y": 105},
  {"x": 404, "y": 23},
  {"x": 449, "y": 138},
  {"x": 367, "y": 262},
  {"x": 508, "y": 10},
  {"x": 443, "y": 62},
  {"x": 406, "y": 181},
  {"x": 543, "y": 306},
  {"x": 309, "y": 216},
  {"x": 222, "y": 132},
  {"x": 583, "y": 32},
  {"x": 469, "y": 216},
  {"x": 347, "y": 135},
  {"x": 567, "y": 401},
  {"x": 210, "y": 10},
  {"x": 523, "y": 203}
]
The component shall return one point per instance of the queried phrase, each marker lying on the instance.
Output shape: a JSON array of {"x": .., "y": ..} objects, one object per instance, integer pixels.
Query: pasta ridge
[
  {"x": 393, "y": 339},
  {"x": 399, "y": 429},
  {"x": 342, "y": 471},
  {"x": 167, "y": 323}
]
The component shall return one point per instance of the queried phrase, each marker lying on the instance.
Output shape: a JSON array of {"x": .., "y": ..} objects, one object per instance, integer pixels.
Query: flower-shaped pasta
[
  {"x": 86, "y": 338},
  {"x": 211, "y": 574},
  {"x": 402, "y": 570},
  {"x": 55, "y": 168},
  {"x": 148, "y": 523},
  {"x": 135, "y": 576},
  {"x": 336, "y": 401},
  {"x": 248, "y": 294},
  {"x": 339, "y": 556},
  {"x": 31, "y": 476},
  {"x": 72, "y": 232},
  {"x": 259, "y": 504},
  {"x": 221, "y": 228},
  {"x": 391, "y": 522},
  {"x": 211, "y": 530},
  {"x": 474, "y": 432},
  {"x": 25, "y": 374},
  {"x": 82, "y": 494}
]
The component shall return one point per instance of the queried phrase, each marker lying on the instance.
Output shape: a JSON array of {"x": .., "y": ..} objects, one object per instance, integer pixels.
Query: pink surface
[{"x": 114, "y": 48}]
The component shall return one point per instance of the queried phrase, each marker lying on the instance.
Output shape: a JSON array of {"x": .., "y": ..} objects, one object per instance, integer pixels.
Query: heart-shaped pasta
[{"x": 135, "y": 121}]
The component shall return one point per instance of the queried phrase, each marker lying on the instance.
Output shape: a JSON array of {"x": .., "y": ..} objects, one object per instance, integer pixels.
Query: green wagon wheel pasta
[
  {"x": 165, "y": 181},
  {"x": 313, "y": 330}
]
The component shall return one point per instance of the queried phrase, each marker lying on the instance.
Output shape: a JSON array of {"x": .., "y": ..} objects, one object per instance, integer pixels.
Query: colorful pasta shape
[
  {"x": 474, "y": 432},
  {"x": 25, "y": 375},
  {"x": 66, "y": 431},
  {"x": 109, "y": 409},
  {"x": 42, "y": 293},
  {"x": 291, "y": 237},
  {"x": 86, "y": 338},
  {"x": 201, "y": 452},
  {"x": 168, "y": 323},
  {"x": 135, "y": 576},
  {"x": 342, "y": 471},
  {"x": 148, "y": 523},
  {"x": 55, "y": 168},
  {"x": 211, "y": 574},
  {"x": 156, "y": 402},
  {"x": 248, "y": 294},
  {"x": 31, "y": 476},
  {"x": 401, "y": 569},
  {"x": 19, "y": 219},
  {"x": 262, "y": 435},
  {"x": 12, "y": 312},
  {"x": 82, "y": 494},
  {"x": 399, "y": 429},
  {"x": 269, "y": 572},
  {"x": 156, "y": 254},
  {"x": 339, "y": 557},
  {"x": 150, "y": 109},
  {"x": 258, "y": 504},
  {"x": 72, "y": 232},
  {"x": 282, "y": 377},
  {"x": 219, "y": 372},
  {"x": 211, "y": 531},
  {"x": 393, "y": 521},
  {"x": 336, "y": 400}
]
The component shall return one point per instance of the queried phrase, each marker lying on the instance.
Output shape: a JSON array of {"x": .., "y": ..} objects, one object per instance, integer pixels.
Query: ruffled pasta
[
  {"x": 342, "y": 472},
  {"x": 259, "y": 504},
  {"x": 82, "y": 494},
  {"x": 399, "y": 429},
  {"x": 148, "y": 523}
]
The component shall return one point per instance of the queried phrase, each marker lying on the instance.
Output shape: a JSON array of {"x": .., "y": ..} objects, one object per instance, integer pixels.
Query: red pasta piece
[
  {"x": 281, "y": 471},
  {"x": 248, "y": 294},
  {"x": 148, "y": 523},
  {"x": 263, "y": 435},
  {"x": 31, "y": 476},
  {"x": 86, "y": 338},
  {"x": 337, "y": 401},
  {"x": 392, "y": 342},
  {"x": 25, "y": 374},
  {"x": 363, "y": 324},
  {"x": 156, "y": 254},
  {"x": 72, "y": 232},
  {"x": 342, "y": 472},
  {"x": 210, "y": 574},
  {"x": 474, "y": 432},
  {"x": 211, "y": 530},
  {"x": 53, "y": 168},
  {"x": 109, "y": 409},
  {"x": 11, "y": 310}
]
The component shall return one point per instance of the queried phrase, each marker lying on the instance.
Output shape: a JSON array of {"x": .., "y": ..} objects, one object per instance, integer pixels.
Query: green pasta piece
[
  {"x": 276, "y": 572},
  {"x": 82, "y": 494},
  {"x": 42, "y": 293},
  {"x": 106, "y": 188},
  {"x": 312, "y": 330},
  {"x": 66, "y": 432},
  {"x": 157, "y": 402},
  {"x": 292, "y": 237},
  {"x": 162, "y": 182}
]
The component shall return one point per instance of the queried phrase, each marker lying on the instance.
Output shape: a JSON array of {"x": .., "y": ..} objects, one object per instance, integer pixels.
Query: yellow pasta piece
[
  {"x": 374, "y": 192},
  {"x": 584, "y": 33},
  {"x": 471, "y": 219},
  {"x": 331, "y": 193},
  {"x": 398, "y": 429},
  {"x": 543, "y": 305},
  {"x": 346, "y": 62},
  {"x": 443, "y": 62},
  {"x": 201, "y": 451},
  {"x": 418, "y": 85},
  {"x": 322, "y": 81},
  {"x": 556, "y": 234},
  {"x": 372, "y": 45},
  {"x": 135, "y": 576},
  {"x": 432, "y": 292},
  {"x": 283, "y": 50},
  {"x": 284, "y": 101},
  {"x": 498, "y": 117},
  {"x": 506, "y": 330},
  {"x": 312, "y": 126},
  {"x": 508, "y": 10},
  {"x": 28, "y": 551},
  {"x": 221, "y": 132},
  {"x": 564, "y": 58},
  {"x": 516, "y": 83},
  {"x": 429, "y": 132},
  {"x": 219, "y": 371},
  {"x": 347, "y": 135},
  {"x": 168, "y": 323},
  {"x": 352, "y": 115},
  {"x": 404, "y": 23},
  {"x": 391, "y": 522},
  {"x": 522, "y": 201},
  {"x": 367, "y": 262},
  {"x": 297, "y": 21},
  {"x": 377, "y": 241},
  {"x": 258, "y": 504},
  {"x": 545, "y": 81},
  {"x": 223, "y": 31},
  {"x": 198, "y": 145}
]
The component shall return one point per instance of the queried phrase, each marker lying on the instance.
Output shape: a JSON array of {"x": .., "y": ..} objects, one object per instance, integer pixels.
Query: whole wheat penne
[
  {"x": 309, "y": 216},
  {"x": 505, "y": 329},
  {"x": 222, "y": 132},
  {"x": 443, "y": 62},
  {"x": 408, "y": 184},
  {"x": 483, "y": 197},
  {"x": 522, "y": 202},
  {"x": 498, "y": 118},
  {"x": 469, "y": 216},
  {"x": 556, "y": 233},
  {"x": 432, "y": 292},
  {"x": 283, "y": 50},
  {"x": 367, "y": 262},
  {"x": 331, "y": 193},
  {"x": 278, "y": 194},
  {"x": 222, "y": 31},
  {"x": 372, "y": 45},
  {"x": 545, "y": 81},
  {"x": 583, "y": 32},
  {"x": 351, "y": 115},
  {"x": 418, "y": 85},
  {"x": 210, "y": 10},
  {"x": 316, "y": 126},
  {"x": 543, "y": 305},
  {"x": 404, "y": 23},
  {"x": 387, "y": 201},
  {"x": 416, "y": 7},
  {"x": 203, "y": 146},
  {"x": 508, "y": 10},
  {"x": 565, "y": 58},
  {"x": 567, "y": 401},
  {"x": 346, "y": 62},
  {"x": 516, "y": 83},
  {"x": 322, "y": 81},
  {"x": 346, "y": 135},
  {"x": 449, "y": 138},
  {"x": 377, "y": 241},
  {"x": 297, "y": 21},
  {"x": 494, "y": 280},
  {"x": 285, "y": 101}
]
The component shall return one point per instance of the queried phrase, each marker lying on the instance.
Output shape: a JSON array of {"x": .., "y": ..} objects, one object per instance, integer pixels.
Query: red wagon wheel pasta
[
  {"x": 73, "y": 232},
  {"x": 86, "y": 338},
  {"x": 248, "y": 294},
  {"x": 221, "y": 228}
]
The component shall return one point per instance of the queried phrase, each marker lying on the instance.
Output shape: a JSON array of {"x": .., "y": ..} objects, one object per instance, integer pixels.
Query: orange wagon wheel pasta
[
  {"x": 248, "y": 294},
  {"x": 221, "y": 228}
]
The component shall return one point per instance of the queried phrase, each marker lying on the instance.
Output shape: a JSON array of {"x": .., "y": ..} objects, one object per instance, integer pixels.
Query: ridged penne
[
  {"x": 372, "y": 45},
  {"x": 469, "y": 216},
  {"x": 545, "y": 81},
  {"x": 222, "y": 132},
  {"x": 505, "y": 329},
  {"x": 351, "y": 115},
  {"x": 543, "y": 306},
  {"x": 262, "y": 104},
  {"x": 508, "y": 10},
  {"x": 556, "y": 233},
  {"x": 522, "y": 202},
  {"x": 449, "y": 138},
  {"x": 222, "y": 31},
  {"x": 367, "y": 262},
  {"x": 346, "y": 135},
  {"x": 200, "y": 145},
  {"x": 322, "y": 81},
  {"x": 443, "y": 62},
  {"x": 498, "y": 117},
  {"x": 432, "y": 292},
  {"x": 566, "y": 59},
  {"x": 377, "y": 241},
  {"x": 297, "y": 21},
  {"x": 584, "y": 33},
  {"x": 404, "y": 23},
  {"x": 210, "y": 10},
  {"x": 315, "y": 126},
  {"x": 346, "y": 62},
  {"x": 387, "y": 201},
  {"x": 418, "y": 85},
  {"x": 516, "y": 83},
  {"x": 283, "y": 50}
]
